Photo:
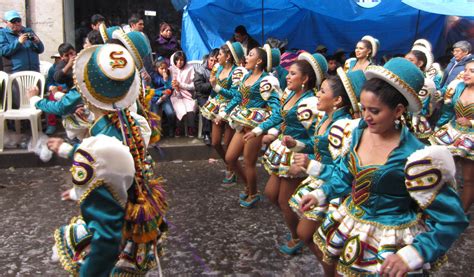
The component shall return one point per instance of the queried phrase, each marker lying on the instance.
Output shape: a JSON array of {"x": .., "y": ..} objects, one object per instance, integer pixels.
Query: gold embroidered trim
[
  {"x": 65, "y": 260},
  {"x": 380, "y": 225},
  {"x": 133, "y": 49},
  {"x": 96, "y": 95},
  {"x": 350, "y": 91},
  {"x": 97, "y": 184}
]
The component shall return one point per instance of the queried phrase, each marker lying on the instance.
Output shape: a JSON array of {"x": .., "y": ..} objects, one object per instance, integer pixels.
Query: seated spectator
[
  {"x": 166, "y": 43},
  {"x": 63, "y": 70},
  {"x": 161, "y": 82},
  {"x": 203, "y": 89},
  {"x": 182, "y": 97},
  {"x": 241, "y": 35}
]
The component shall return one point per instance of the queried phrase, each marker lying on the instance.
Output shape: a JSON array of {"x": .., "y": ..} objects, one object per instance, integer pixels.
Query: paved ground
[{"x": 209, "y": 233}]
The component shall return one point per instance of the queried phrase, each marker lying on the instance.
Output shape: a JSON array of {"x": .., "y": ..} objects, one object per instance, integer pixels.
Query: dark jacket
[
  {"x": 453, "y": 69},
  {"x": 16, "y": 56},
  {"x": 201, "y": 81},
  {"x": 166, "y": 47},
  {"x": 63, "y": 78}
]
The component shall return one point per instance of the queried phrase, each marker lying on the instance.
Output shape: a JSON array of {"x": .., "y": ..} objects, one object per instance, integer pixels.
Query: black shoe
[{"x": 207, "y": 140}]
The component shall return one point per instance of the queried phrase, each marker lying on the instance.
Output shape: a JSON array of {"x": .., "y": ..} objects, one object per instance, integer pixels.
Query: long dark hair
[
  {"x": 307, "y": 70},
  {"x": 338, "y": 89},
  {"x": 263, "y": 56}
]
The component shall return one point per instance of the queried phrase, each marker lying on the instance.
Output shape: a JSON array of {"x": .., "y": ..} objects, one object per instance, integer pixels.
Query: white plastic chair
[
  {"x": 25, "y": 80},
  {"x": 3, "y": 96},
  {"x": 44, "y": 68}
]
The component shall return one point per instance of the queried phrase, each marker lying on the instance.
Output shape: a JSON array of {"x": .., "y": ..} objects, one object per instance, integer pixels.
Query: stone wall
[{"x": 45, "y": 17}]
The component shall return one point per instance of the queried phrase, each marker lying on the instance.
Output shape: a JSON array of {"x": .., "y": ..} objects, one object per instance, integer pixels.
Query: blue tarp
[
  {"x": 447, "y": 7},
  {"x": 337, "y": 24}
]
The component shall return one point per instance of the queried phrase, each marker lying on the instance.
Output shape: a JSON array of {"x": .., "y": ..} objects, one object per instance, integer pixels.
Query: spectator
[
  {"x": 332, "y": 65},
  {"x": 241, "y": 35},
  {"x": 161, "y": 82},
  {"x": 93, "y": 38},
  {"x": 19, "y": 47},
  {"x": 96, "y": 20},
  {"x": 52, "y": 87},
  {"x": 203, "y": 89},
  {"x": 63, "y": 72},
  {"x": 322, "y": 49},
  {"x": 462, "y": 54},
  {"x": 136, "y": 23},
  {"x": 166, "y": 43},
  {"x": 340, "y": 56},
  {"x": 182, "y": 98}
]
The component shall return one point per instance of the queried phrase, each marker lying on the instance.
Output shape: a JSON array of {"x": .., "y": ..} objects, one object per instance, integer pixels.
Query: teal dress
[
  {"x": 248, "y": 108},
  {"x": 459, "y": 139},
  {"x": 218, "y": 100},
  {"x": 405, "y": 206},
  {"x": 277, "y": 158},
  {"x": 327, "y": 159}
]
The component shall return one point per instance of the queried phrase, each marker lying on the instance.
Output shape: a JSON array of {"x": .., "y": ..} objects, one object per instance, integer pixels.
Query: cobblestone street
[{"x": 209, "y": 233}]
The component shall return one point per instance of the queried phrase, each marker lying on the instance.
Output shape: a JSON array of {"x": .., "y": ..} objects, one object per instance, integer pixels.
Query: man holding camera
[{"x": 19, "y": 47}]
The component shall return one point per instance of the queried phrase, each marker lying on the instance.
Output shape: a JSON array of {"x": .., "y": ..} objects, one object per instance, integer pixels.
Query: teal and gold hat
[
  {"x": 106, "y": 76},
  {"x": 137, "y": 44},
  {"x": 273, "y": 57},
  {"x": 402, "y": 75},
  {"x": 238, "y": 52},
  {"x": 107, "y": 33},
  {"x": 318, "y": 63},
  {"x": 374, "y": 42},
  {"x": 353, "y": 82}
]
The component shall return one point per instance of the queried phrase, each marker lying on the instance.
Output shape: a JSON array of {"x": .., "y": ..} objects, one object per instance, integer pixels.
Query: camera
[{"x": 30, "y": 36}]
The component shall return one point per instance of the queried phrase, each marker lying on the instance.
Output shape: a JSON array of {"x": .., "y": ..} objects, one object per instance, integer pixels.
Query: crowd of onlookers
[{"x": 179, "y": 87}]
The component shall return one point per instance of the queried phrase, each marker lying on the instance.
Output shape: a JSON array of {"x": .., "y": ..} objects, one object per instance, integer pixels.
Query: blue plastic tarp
[
  {"x": 447, "y": 7},
  {"x": 337, "y": 24}
]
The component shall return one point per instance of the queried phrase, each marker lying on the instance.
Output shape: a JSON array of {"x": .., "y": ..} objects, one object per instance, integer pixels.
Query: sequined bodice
[
  {"x": 245, "y": 91},
  {"x": 464, "y": 111},
  {"x": 223, "y": 82}
]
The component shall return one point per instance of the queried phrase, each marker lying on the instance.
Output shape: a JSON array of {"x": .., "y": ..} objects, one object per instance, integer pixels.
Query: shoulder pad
[
  {"x": 340, "y": 136},
  {"x": 307, "y": 111},
  {"x": 238, "y": 74},
  {"x": 268, "y": 85},
  {"x": 448, "y": 95},
  {"x": 427, "y": 171}
]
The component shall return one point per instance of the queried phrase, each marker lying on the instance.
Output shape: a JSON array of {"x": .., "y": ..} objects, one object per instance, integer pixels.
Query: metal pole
[
  {"x": 417, "y": 24},
  {"x": 263, "y": 24}
]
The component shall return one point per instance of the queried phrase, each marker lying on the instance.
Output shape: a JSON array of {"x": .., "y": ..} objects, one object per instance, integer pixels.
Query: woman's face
[
  {"x": 180, "y": 63},
  {"x": 222, "y": 57},
  {"x": 295, "y": 78},
  {"x": 326, "y": 99},
  {"x": 469, "y": 74},
  {"x": 380, "y": 118},
  {"x": 361, "y": 51},
  {"x": 167, "y": 32},
  {"x": 252, "y": 60},
  {"x": 412, "y": 58}
]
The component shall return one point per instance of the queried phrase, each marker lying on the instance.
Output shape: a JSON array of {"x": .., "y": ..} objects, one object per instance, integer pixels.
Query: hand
[
  {"x": 53, "y": 89},
  {"x": 54, "y": 144},
  {"x": 296, "y": 170},
  {"x": 175, "y": 84},
  {"x": 33, "y": 91},
  {"x": 22, "y": 38},
  {"x": 165, "y": 75},
  {"x": 213, "y": 80},
  {"x": 288, "y": 141},
  {"x": 267, "y": 139},
  {"x": 464, "y": 121},
  {"x": 307, "y": 201},
  {"x": 249, "y": 136},
  {"x": 394, "y": 266},
  {"x": 70, "y": 62},
  {"x": 36, "y": 39},
  {"x": 66, "y": 195},
  {"x": 301, "y": 160},
  {"x": 146, "y": 76}
]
